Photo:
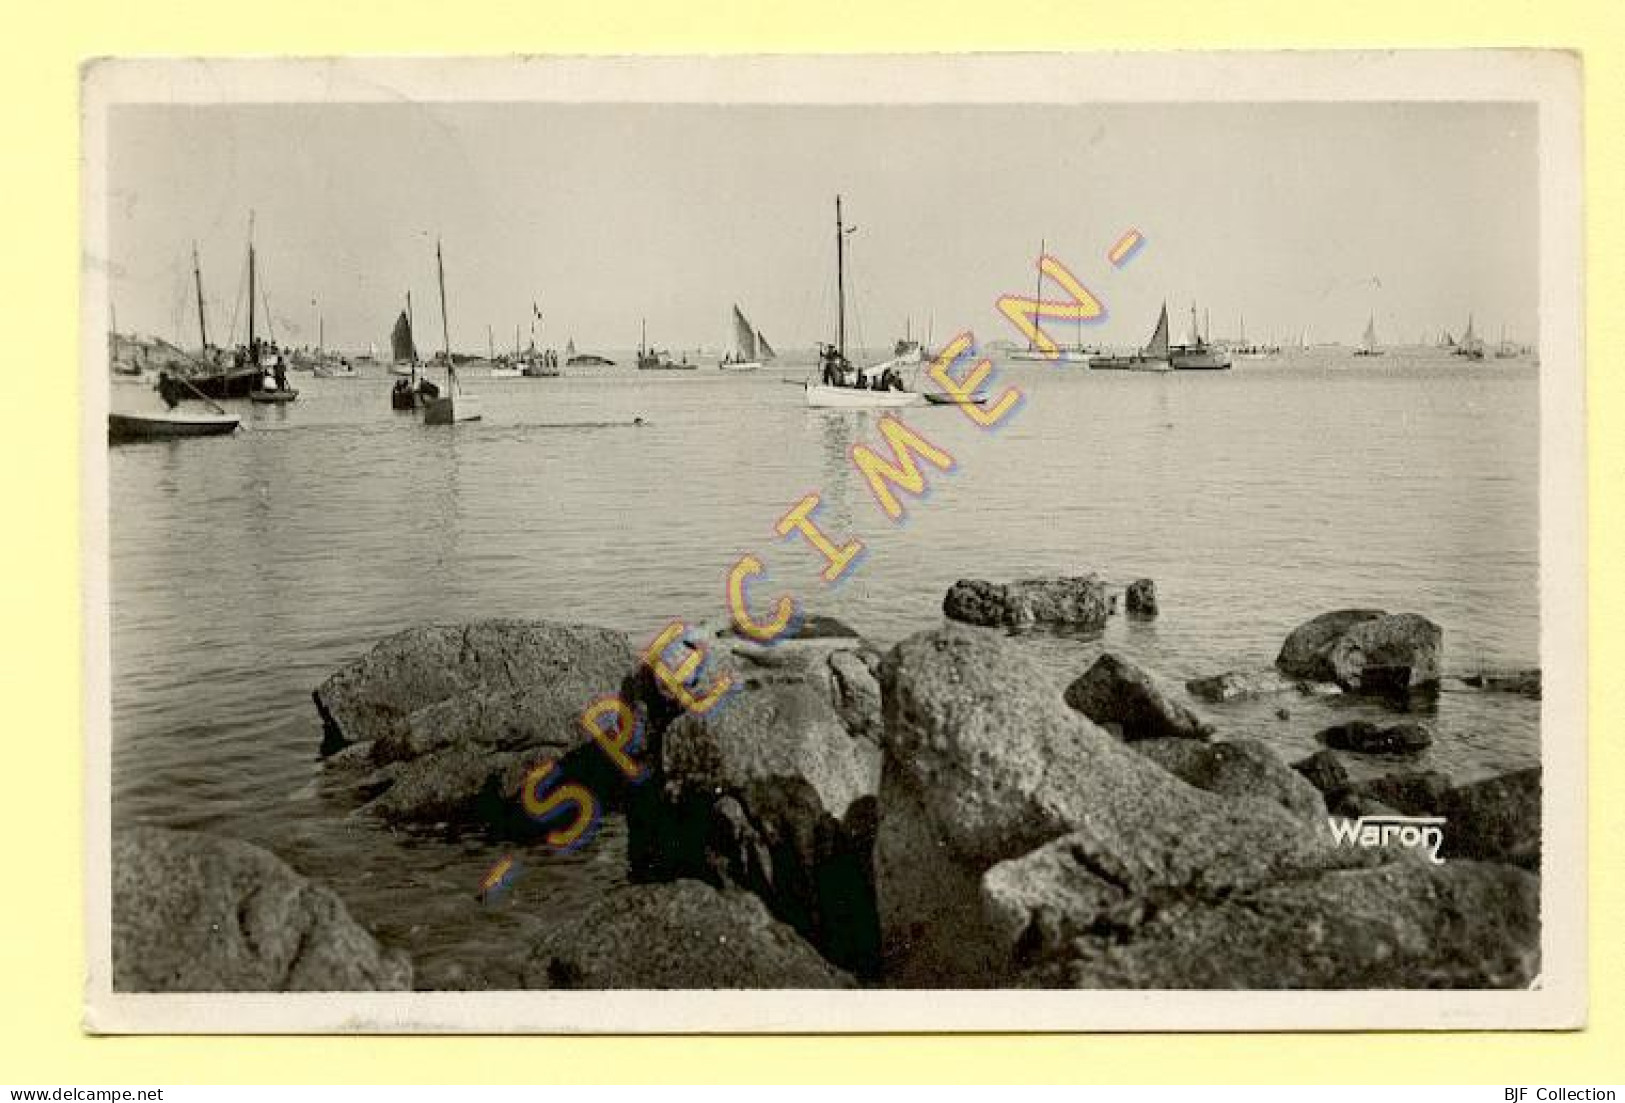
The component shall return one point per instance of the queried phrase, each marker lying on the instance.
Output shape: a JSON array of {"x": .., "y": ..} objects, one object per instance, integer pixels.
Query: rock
[
  {"x": 1414, "y": 793},
  {"x": 675, "y": 936},
  {"x": 1497, "y": 820},
  {"x": 1362, "y": 649},
  {"x": 1404, "y": 925},
  {"x": 1526, "y": 682},
  {"x": 985, "y": 763},
  {"x": 1364, "y": 737},
  {"x": 1077, "y": 603},
  {"x": 1351, "y": 804},
  {"x": 1236, "y": 685},
  {"x": 1244, "y": 769},
  {"x": 773, "y": 791},
  {"x": 195, "y": 913},
  {"x": 376, "y": 697},
  {"x": 1140, "y": 599},
  {"x": 1325, "y": 771},
  {"x": 1306, "y": 652},
  {"x": 1115, "y": 690},
  {"x": 456, "y": 785}
]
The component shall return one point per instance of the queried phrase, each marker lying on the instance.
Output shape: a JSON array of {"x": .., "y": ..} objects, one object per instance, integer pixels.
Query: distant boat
[
  {"x": 1242, "y": 350},
  {"x": 650, "y": 359},
  {"x": 1076, "y": 355},
  {"x": 844, "y": 386},
  {"x": 1153, "y": 357},
  {"x": 409, "y": 392},
  {"x": 1199, "y": 355},
  {"x": 1368, "y": 341},
  {"x": 745, "y": 355},
  {"x": 234, "y": 376},
  {"x": 589, "y": 360},
  {"x": 271, "y": 386},
  {"x": 453, "y": 405},
  {"x": 1471, "y": 346},
  {"x": 1506, "y": 350}
]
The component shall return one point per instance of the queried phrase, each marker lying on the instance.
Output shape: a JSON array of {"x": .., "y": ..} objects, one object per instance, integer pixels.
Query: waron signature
[{"x": 1420, "y": 832}]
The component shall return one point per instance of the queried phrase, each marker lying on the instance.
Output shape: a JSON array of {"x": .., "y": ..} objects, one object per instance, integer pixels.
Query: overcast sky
[{"x": 1296, "y": 216}]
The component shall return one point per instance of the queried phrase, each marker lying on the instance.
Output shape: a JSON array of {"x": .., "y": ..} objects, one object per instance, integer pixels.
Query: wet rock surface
[
  {"x": 1365, "y": 650},
  {"x": 1117, "y": 691},
  {"x": 1077, "y": 603}
]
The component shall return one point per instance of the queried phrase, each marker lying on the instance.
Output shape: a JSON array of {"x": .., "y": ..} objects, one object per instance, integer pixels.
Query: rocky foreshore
[{"x": 943, "y": 813}]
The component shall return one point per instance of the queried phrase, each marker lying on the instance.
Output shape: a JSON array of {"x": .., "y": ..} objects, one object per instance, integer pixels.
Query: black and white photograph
[{"x": 834, "y": 544}]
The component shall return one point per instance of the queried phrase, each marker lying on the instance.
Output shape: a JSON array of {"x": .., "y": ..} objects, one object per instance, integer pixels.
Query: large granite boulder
[
  {"x": 196, "y": 913},
  {"x": 1117, "y": 691},
  {"x": 1496, "y": 820},
  {"x": 1140, "y": 599},
  {"x": 1401, "y": 925},
  {"x": 435, "y": 684},
  {"x": 772, "y": 791},
  {"x": 1411, "y": 793},
  {"x": 1365, "y": 649},
  {"x": 1077, "y": 603},
  {"x": 1242, "y": 769},
  {"x": 984, "y": 762},
  {"x": 675, "y": 936}
]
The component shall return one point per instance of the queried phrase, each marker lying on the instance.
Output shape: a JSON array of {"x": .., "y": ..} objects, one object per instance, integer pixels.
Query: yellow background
[{"x": 40, "y": 902}]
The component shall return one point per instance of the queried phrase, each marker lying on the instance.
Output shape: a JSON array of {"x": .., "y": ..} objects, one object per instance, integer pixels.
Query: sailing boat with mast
[
  {"x": 1200, "y": 354},
  {"x": 1063, "y": 355},
  {"x": 454, "y": 405},
  {"x": 746, "y": 353},
  {"x": 1368, "y": 342},
  {"x": 409, "y": 392},
  {"x": 233, "y": 378},
  {"x": 1153, "y": 357},
  {"x": 842, "y": 385},
  {"x": 1472, "y": 347},
  {"x": 272, "y": 386}
]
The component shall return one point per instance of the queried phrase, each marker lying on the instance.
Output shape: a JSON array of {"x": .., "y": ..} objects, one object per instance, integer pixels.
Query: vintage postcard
[{"x": 835, "y": 543}]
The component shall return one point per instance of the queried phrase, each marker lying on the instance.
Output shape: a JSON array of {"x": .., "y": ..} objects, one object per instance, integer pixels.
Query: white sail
[{"x": 1369, "y": 341}]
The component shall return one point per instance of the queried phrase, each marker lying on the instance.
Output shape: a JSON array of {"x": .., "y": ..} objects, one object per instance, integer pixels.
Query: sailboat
[
  {"x": 1075, "y": 355},
  {"x": 1199, "y": 354},
  {"x": 844, "y": 386},
  {"x": 764, "y": 351},
  {"x": 1368, "y": 342},
  {"x": 651, "y": 360},
  {"x": 1242, "y": 350},
  {"x": 1153, "y": 357},
  {"x": 271, "y": 386},
  {"x": 329, "y": 366},
  {"x": 1471, "y": 346},
  {"x": 233, "y": 378},
  {"x": 745, "y": 355},
  {"x": 409, "y": 392},
  {"x": 1506, "y": 350},
  {"x": 454, "y": 405}
]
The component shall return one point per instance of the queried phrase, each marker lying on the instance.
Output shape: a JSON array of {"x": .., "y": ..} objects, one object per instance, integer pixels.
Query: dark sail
[
  {"x": 400, "y": 341},
  {"x": 763, "y": 349}
]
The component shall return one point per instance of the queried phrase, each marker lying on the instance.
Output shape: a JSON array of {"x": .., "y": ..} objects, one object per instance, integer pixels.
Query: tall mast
[
  {"x": 490, "y": 343},
  {"x": 445, "y": 325},
  {"x": 321, "y": 333},
  {"x": 197, "y": 276},
  {"x": 840, "y": 282},
  {"x": 1038, "y": 292},
  {"x": 412, "y": 326},
  {"x": 251, "y": 292}
]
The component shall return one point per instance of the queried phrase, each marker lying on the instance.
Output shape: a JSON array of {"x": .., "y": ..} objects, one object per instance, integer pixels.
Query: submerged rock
[
  {"x": 1237, "y": 685},
  {"x": 1325, "y": 771},
  {"x": 1078, "y": 603},
  {"x": 196, "y": 913},
  {"x": 1364, "y": 649},
  {"x": 774, "y": 790},
  {"x": 1116, "y": 691},
  {"x": 1525, "y": 682},
  {"x": 1364, "y": 737},
  {"x": 1244, "y": 769},
  {"x": 675, "y": 936}
]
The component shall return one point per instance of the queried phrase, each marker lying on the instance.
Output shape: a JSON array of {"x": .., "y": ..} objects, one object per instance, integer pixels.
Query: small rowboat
[
  {"x": 273, "y": 396},
  {"x": 167, "y": 426},
  {"x": 936, "y": 398}
]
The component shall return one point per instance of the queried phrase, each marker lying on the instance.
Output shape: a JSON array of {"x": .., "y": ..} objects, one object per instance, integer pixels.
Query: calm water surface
[{"x": 245, "y": 569}]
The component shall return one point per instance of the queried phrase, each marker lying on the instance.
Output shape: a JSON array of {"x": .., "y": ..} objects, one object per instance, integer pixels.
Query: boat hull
[
  {"x": 506, "y": 373},
  {"x": 935, "y": 398},
  {"x": 450, "y": 409},
  {"x": 236, "y": 383},
  {"x": 823, "y": 396},
  {"x": 167, "y": 426},
  {"x": 744, "y": 365},
  {"x": 273, "y": 397},
  {"x": 1130, "y": 363}
]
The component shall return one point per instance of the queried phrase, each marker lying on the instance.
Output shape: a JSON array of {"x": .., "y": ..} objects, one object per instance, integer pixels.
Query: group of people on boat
[{"x": 839, "y": 372}]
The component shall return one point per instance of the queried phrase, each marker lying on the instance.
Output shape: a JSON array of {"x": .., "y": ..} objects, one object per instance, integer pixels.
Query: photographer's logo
[{"x": 1425, "y": 833}]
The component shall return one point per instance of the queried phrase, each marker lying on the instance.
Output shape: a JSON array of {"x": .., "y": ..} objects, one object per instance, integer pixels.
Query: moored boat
[
  {"x": 1152, "y": 358},
  {"x": 453, "y": 405},
  {"x": 167, "y": 425},
  {"x": 1368, "y": 340}
]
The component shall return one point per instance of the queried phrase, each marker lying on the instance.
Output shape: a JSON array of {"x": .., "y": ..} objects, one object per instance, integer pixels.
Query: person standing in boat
[{"x": 169, "y": 389}]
